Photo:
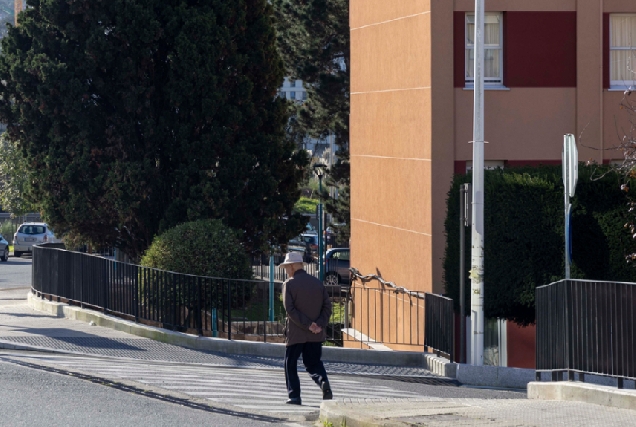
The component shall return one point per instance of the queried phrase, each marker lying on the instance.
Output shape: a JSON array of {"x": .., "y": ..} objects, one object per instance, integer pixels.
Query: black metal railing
[
  {"x": 586, "y": 327},
  {"x": 208, "y": 306},
  {"x": 382, "y": 313},
  {"x": 439, "y": 325}
]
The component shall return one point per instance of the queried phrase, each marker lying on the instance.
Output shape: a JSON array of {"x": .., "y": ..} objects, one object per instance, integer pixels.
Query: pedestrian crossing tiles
[{"x": 261, "y": 390}]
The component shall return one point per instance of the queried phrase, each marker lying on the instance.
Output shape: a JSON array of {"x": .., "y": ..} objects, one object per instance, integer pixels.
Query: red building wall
[{"x": 521, "y": 345}]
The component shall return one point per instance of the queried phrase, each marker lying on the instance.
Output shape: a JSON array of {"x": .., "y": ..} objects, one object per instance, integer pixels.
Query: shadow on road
[
  {"x": 76, "y": 338},
  {"x": 25, "y": 261},
  {"x": 26, "y": 315}
]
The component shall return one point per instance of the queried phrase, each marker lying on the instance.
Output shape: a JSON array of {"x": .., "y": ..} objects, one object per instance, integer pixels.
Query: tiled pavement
[
  {"x": 255, "y": 383},
  {"x": 261, "y": 390}
]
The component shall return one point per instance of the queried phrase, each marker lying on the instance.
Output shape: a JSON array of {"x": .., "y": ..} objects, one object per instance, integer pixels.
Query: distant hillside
[{"x": 6, "y": 15}]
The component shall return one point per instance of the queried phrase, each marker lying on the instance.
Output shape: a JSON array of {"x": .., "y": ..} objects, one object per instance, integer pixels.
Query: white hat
[{"x": 292, "y": 258}]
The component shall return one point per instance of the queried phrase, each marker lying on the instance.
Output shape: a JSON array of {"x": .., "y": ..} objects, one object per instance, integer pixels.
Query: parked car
[
  {"x": 337, "y": 267},
  {"x": 307, "y": 243},
  {"x": 32, "y": 233},
  {"x": 4, "y": 249}
]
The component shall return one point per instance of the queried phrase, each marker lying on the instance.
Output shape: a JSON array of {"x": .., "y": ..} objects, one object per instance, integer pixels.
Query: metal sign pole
[{"x": 464, "y": 221}]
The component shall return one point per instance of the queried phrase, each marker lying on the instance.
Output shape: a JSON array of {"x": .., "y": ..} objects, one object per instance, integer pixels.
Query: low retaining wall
[
  {"x": 330, "y": 354},
  {"x": 494, "y": 376}
]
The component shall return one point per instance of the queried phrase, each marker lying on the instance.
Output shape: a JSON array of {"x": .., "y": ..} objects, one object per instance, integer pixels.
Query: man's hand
[{"x": 315, "y": 328}]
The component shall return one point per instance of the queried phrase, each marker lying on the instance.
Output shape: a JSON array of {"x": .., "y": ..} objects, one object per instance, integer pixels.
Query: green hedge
[{"x": 524, "y": 229}]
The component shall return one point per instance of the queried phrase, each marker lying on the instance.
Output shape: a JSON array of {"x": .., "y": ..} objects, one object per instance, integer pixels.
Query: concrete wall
[
  {"x": 511, "y": 119},
  {"x": 391, "y": 141}
]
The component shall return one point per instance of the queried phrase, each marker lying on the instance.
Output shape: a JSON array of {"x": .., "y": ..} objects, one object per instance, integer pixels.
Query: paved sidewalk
[
  {"x": 471, "y": 412},
  {"x": 24, "y": 328}
]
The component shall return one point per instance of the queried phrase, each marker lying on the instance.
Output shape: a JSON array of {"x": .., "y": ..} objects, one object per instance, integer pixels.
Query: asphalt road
[
  {"x": 16, "y": 272},
  {"x": 15, "y": 279},
  {"x": 30, "y": 397}
]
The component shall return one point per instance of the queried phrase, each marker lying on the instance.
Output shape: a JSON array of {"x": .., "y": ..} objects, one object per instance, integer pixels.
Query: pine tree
[
  {"x": 137, "y": 115},
  {"x": 313, "y": 38}
]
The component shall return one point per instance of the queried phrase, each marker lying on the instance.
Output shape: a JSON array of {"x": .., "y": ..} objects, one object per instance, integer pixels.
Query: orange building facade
[{"x": 552, "y": 67}]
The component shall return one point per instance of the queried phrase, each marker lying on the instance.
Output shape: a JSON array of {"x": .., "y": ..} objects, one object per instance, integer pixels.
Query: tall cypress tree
[
  {"x": 137, "y": 115},
  {"x": 313, "y": 38}
]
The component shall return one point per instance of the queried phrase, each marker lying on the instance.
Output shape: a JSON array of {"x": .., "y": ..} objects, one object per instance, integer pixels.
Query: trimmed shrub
[
  {"x": 202, "y": 248},
  {"x": 305, "y": 205},
  {"x": 524, "y": 235}
]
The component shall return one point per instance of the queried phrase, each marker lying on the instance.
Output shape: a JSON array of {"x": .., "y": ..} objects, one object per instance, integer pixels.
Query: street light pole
[
  {"x": 477, "y": 253},
  {"x": 319, "y": 169}
]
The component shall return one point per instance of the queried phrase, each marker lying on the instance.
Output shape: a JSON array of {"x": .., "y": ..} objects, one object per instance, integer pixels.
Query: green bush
[
  {"x": 202, "y": 248},
  {"x": 305, "y": 205},
  {"x": 7, "y": 229},
  {"x": 524, "y": 235}
]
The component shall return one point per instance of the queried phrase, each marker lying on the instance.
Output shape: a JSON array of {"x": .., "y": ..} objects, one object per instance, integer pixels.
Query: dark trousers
[{"x": 311, "y": 352}]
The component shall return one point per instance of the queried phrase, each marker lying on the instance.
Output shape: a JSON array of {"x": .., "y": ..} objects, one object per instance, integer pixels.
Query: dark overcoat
[{"x": 306, "y": 301}]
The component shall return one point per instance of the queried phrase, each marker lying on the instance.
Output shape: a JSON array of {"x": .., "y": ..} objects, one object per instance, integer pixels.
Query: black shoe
[
  {"x": 326, "y": 391},
  {"x": 294, "y": 401}
]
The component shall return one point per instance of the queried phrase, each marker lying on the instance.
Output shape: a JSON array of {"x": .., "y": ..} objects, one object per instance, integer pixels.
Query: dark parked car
[
  {"x": 4, "y": 249},
  {"x": 307, "y": 243},
  {"x": 337, "y": 267}
]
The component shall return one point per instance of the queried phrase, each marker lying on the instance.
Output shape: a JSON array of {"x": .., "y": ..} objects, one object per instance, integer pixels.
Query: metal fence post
[
  {"x": 215, "y": 330},
  {"x": 229, "y": 311},
  {"x": 199, "y": 308},
  {"x": 135, "y": 273},
  {"x": 105, "y": 280},
  {"x": 271, "y": 288},
  {"x": 174, "y": 301}
]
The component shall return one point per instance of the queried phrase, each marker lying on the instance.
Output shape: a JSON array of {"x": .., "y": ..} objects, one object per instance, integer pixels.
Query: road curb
[
  {"x": 339, "y": 414},
  {"x": 583, "y": 392},
  {"x": 330, "y": 354},
  {"x": 9, "y": 345}
]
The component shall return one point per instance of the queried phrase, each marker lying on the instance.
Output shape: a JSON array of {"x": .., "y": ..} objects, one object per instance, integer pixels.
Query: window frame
[
  {"x": 469, "y": 82},
  {"x": 620, "y": 84}
]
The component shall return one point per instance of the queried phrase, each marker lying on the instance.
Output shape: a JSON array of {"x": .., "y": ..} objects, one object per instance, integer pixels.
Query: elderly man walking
[{"x": 308, "y": 310}]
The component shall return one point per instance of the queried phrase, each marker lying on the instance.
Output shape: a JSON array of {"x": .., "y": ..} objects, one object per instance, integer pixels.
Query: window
[
  {"x": 622, "y": 50},
  {"x": 32, "y": 229},
  {"x": 493, "y": 52},
  {"x": 304, "y": 96},
  {"x": 292, "y": 95}
]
